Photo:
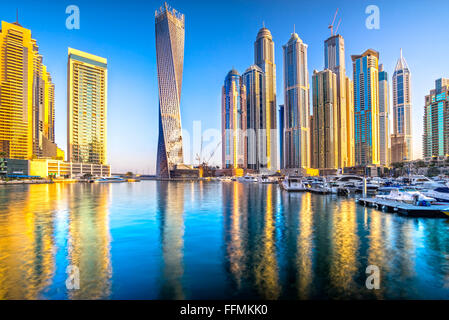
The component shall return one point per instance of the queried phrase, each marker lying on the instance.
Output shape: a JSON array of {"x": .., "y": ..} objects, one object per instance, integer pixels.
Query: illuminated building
[
  {"x": 401, "y": 139},
  {"x": 436, "y": 121},
  {"x": 27, "y": 99},
  {"x": 334, "y": 60},
  {"x": 264, "y": 59},
  {"x": 366, "y": 107},
  {"x": 296, "y": 105},
  {"x": 87, "y": 76},
  {"x": 384, "y": 120},
  {"x": 324, "y": 148},
  {"x": 170, "y": 30},
  {"x": 233, "y": 122}
]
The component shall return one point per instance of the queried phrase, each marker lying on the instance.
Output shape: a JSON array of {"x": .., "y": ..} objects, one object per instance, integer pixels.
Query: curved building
[{"x": 170, "y": 61}]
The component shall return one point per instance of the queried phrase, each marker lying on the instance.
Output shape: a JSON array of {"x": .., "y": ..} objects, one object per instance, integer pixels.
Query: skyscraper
[
  {"x": 233, "y": 123},
  {"x": 87, "y": 90},
  {"x": 296, "y": 105},
  {"x": 401, "y": 139},
  {"x": 334, "y": 60},
  {"x": 384, "y": 120},
  {"x": 27, "y": 100},
  {"x": 324, "y": 122},
  {"x": 436, "y": 120},
  {"x": 170, "y": 62},
  {"x": 366, "y": 107},
  {"x": 256, "y": 137},
  {"x": 281, "y": 136},
  {"x": 264, "y": 59}
]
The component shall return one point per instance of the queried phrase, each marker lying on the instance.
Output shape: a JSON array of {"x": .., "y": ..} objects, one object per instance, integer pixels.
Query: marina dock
[{"x": 406, "y": 209}]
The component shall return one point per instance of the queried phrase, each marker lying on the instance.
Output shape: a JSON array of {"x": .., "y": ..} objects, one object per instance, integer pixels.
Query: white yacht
[
  {"x": 291, "y": 183},
  {"x": 109, "y": 180},
  {"x": 266, "y": 179},
  {"x": 440, "y": 193},
  {"x": 340, "y": 181},
  {"x": 406, "y": 194},
  {"x": 247, "y": 178}
]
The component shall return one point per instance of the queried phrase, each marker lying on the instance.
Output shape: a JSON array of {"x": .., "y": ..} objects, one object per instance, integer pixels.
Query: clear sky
[{"x": 220, "y": 35}]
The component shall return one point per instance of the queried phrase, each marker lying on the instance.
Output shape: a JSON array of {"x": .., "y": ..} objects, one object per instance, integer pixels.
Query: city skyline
[{"x": 123, "y": 156}]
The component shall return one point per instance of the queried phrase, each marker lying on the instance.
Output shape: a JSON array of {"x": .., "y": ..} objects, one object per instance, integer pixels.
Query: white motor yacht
[
  {"x": 247, "y": 178},
  {"x": 292, "y": 183}
]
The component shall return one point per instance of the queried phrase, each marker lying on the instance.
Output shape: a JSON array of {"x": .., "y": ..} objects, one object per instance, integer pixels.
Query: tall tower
[
  {"x": 233, "y": 123},
  {"x": 384, "y": 119},
  {"x": 401, "y": 139},
  {"x": 256, "y": 137},
  {"x": 436, "y": 121},
  {"x": 366, "y": 107},
  {"x": 170, "y": 33},
  {"x": 87, "y": 77},
  {"x": 334, "y": 60},
  {"x": 26, "y": 96},
  {"x": 264, "y": 59},
  {"x": 324, "y": 122},
  {"x": 296, "y": 105}
]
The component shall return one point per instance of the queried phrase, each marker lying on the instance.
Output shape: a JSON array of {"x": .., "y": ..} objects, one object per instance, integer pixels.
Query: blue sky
[{"x": 220, "y": 35}]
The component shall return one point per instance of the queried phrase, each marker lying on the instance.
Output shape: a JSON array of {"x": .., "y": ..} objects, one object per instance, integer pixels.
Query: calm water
[{"x": 206, "y": 240}]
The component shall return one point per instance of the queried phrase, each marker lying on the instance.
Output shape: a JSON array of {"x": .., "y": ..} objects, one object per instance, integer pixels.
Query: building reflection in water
[
  {"x": 171, "y": 225},
  {"x": 26, "y": 240},
  {"x": 89, "y": 239}
]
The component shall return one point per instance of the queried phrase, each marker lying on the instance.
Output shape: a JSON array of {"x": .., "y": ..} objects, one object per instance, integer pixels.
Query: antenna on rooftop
[{"x": 17, "y": 16}]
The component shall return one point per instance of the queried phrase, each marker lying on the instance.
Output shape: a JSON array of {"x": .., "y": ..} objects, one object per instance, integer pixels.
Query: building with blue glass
[
  {"x": 401, "y": 139},
  {"x": 366, "y": 107},
  {"x": 233, "y": 122},
  {"x": 384, "y": 120},
  {"x": 436, "y": 121}
]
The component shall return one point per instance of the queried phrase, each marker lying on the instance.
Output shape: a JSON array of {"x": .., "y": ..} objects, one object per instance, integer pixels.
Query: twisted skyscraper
[{"x": 170, "y": 60}]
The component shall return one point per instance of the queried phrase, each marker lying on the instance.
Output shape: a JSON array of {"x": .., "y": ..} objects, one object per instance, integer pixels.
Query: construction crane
[{"x": 331, "y": 26}]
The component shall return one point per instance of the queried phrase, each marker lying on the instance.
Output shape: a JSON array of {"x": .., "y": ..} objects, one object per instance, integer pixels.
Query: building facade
[
  {"x": 296, "y": 105},
  {"x": 27, "y": 97},
  {"x": 256, "y": 138},
  {"x": 324, "y": 122},
  {"x": 281, "y": 136},
  {"x": 87, "y": 88},
  {"x": 384, "y": 120},
  {"x": 436, "y": 121},
  {"x": 334, "y": 60},
  {"x": 233, "y": 123},
  {"x": 401, "y": 139},
  {"x": 170, "y": 32},
  {"x": 366, "y": 107},
  {"x": 264, "y": 59}
]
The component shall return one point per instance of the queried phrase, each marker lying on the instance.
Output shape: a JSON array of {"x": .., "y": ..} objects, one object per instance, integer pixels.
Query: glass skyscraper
[
  {"x": 384, "y": 119},
  {"x": 366, "y": 107},
  {"x": 27, "y": 97},
  {"x": 87, "y": 77},
  {"x": 233, "y": 122},
  {"x": 401, "y": 139},
  {"x": 436, "y": 121},
  {"x": 296, "y": 105},
  {"x": 264, "y": 59},
  {"x": 334, "y": 60},
  {"x": 170, "y": 31}
]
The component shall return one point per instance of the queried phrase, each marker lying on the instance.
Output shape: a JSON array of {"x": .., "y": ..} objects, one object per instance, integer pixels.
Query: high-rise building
[
  {"x": 264, "y": 59},
  {"x": 296, "y": 105},
  {"x": 256, "y": 138},
  {"x": 281, "y": 135},
  {"x": 27, "y": 99},
  {"x": 436, "y": 121},
  {"x": 401, "y": 139},
  {"x": 384, "y": 120},
  {"x": 170, "y": 31},
  {"x": 366, "y": 107},
  {"x": 334, "y": 60},
  {"x": 87, "y": 90},
  {"x": 324, "y": 122},
  {"x": 233, "y": 122}
]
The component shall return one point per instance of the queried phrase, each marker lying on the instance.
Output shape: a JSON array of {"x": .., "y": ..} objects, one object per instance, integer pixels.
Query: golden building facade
[
  {"x": 87, "y": 107},
  {"x": 27, "y": 97}
]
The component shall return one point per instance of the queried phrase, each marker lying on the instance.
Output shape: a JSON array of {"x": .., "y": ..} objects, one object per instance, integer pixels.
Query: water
[{"x": 211, "y": 240}]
